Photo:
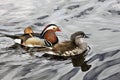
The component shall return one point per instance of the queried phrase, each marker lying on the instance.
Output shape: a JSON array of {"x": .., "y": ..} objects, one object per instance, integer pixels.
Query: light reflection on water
[{"x": 96, "y": 17}]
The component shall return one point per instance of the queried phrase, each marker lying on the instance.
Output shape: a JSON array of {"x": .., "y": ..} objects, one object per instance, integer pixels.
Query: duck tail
[{"x": 11, "y": 36}]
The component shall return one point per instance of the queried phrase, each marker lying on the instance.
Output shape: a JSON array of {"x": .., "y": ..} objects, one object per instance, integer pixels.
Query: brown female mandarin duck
[
  {"x": 75, "y": 46},
  {"x": 46, "y": 38}
]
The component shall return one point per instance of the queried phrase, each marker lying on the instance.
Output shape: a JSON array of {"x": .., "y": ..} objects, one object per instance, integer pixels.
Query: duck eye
[{"x": 54, "y": 28}]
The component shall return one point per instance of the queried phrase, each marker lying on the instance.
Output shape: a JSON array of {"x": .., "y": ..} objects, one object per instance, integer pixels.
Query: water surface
[{"x": 98, "y": 18}]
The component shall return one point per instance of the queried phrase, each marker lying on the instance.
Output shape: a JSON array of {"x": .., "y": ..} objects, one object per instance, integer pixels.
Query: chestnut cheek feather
[
  {"x": 51, "y": 39},
  {"x": 51, "y": 36}
]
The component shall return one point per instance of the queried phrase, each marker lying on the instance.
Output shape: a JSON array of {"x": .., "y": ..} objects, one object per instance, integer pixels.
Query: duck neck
[
  {"x": 50, "y": 35},
  {"x": 81, "y": 44},
  {"x": 79, "y": 41}
]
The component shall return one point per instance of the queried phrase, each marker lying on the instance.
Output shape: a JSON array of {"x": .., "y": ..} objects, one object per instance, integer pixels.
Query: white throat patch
[{"x": 81, "y": 40}]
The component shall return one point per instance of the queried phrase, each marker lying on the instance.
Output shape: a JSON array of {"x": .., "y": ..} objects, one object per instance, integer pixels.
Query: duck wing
[
  {"x": 19, "y": 36},
  {"x": 63, "y": 46}
]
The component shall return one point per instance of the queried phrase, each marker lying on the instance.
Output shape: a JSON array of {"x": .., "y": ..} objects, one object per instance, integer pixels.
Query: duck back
[{"x": 64, "y": 46}]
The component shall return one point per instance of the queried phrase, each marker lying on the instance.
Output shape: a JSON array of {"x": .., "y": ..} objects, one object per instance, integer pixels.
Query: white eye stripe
[{"x": 51, "y": 27}]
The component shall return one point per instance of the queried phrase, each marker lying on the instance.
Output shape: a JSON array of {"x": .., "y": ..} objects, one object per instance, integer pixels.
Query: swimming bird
[
  {"x": 75, "y": 46},
  {"x": 46, "y": 38}
]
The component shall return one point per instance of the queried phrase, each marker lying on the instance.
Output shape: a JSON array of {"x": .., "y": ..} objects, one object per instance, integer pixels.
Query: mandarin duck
[
  {"x": 46, "y": 38},
  {"x": 75, "y": 46}
]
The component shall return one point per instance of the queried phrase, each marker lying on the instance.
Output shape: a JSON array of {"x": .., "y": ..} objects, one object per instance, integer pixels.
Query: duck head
[
  {"x": 49, "y": 33},
  {"x": 78, "y": 37},
  {"x": 52, "y": 27}
]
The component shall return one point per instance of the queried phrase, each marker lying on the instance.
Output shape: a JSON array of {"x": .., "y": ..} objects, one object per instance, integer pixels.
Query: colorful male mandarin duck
[
  {"x": 75, "y": 46},
  {"x": 46, "y": 38}
]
